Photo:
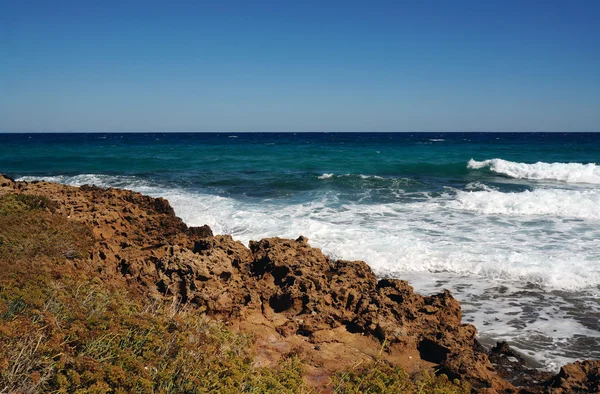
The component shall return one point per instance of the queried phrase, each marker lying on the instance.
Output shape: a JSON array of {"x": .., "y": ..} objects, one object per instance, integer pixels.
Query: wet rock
[{"x": 513, "y": 367}]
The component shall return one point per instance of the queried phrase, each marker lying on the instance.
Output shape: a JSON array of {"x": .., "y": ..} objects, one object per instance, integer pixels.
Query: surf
[{"x": 564, "y": 172}]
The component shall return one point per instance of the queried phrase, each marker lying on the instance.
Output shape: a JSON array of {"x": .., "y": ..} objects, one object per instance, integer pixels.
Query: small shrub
[
  {"x": 92, "y": 339},
  {"x": 381, "y": 378},
  {"x": 15, "y": 203},
  {"x": 29, "y": 229},
  {"x": 13, "y": 308}
]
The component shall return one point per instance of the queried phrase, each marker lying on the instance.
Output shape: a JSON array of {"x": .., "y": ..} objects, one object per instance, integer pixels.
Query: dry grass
[
  {"x": 80, "y": 337},
  {"x": 381, "y": 378},
  {"x": 29, "y": 230}
]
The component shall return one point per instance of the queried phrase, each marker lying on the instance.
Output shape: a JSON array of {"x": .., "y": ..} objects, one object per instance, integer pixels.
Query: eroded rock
[{"x": 578, "y": 377}]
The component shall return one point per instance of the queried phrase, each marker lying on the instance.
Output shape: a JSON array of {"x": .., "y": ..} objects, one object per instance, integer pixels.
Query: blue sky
[{"x": 299, "y": 66}]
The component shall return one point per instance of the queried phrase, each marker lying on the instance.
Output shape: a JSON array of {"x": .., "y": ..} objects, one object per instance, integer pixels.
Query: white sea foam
[
  {"x": 428, "y": 236},
  {"x": 477, "y": 186},
  {"x": 361, "y": 176},
  {"x": 536, "y": 323},
  {"x": 583, "y": 204},
  {"x": 101, "y": 180},
  {"x": 564, "y": 172},
  {"x": 370, "y": 176}
]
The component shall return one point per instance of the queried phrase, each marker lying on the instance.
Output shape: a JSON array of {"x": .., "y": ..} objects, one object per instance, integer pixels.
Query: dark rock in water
[
  {"x": 503, "y": 349},
  {"x": 514, "y": 368},
  {"x": 200, "y": 231},
  {"x": 302, "y": 239}
]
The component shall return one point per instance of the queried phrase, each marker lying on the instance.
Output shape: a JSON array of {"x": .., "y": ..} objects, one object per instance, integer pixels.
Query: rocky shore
[{"x": 290, "y": 297}]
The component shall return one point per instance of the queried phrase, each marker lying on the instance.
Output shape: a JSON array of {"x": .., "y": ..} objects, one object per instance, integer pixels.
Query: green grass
[
  {"x": 29, "y": 229},
  {"x": 72, "y": 335},
  {"x": 382, "y": 378},
  {"x": 11, "y": 204}
]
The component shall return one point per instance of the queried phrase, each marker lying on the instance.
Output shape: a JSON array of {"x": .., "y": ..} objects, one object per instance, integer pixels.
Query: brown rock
[
  {"x": 578, "y": 377},
  {"x": 200, "y": 232}
]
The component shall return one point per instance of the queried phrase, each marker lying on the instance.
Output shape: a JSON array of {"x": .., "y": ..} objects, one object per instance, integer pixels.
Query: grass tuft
[
  {"x": 29, "y": 229},
  {"x": 382, "y": 378}
]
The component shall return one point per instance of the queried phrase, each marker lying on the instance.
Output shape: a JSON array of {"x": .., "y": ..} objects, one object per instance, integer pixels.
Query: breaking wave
[
  {"x": 360, "y": 176},
  {"x": 582, "y": 204},
  {"x": 564, "y": 172}
]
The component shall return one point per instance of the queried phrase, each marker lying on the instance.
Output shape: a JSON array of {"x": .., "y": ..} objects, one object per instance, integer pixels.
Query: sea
[{"x": 508, "y": 222}]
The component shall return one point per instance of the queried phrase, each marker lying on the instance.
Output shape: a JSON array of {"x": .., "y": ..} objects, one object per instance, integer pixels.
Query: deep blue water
[
  {"x": 514, "y": 233},
  {"x": 287, "y": 165}
]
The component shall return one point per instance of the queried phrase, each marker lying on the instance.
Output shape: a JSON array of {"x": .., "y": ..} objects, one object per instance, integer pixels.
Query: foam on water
[
  {"x": 549, "y": 327},
  {"x": 101, "y": 180},
  {"x": 584, "y": 204},
  {"x": 564, "y": 172},
  {"x": 524, "y": 265},
  {"x": 478, "y": 186},
  {"x": 361, "y": 176}
]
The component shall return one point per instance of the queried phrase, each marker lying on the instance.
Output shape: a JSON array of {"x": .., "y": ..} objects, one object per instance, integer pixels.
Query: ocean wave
[
  {"x": 361, "y": 176},
  {"x": 427, "y": 236},
  {"x": 376, "y": 186},
  {"x": 583, "y": 204},
  {"x": 564, "y": 172},
  {"x": 478, "y": 186},
  {"x": 100, "y": 180}
]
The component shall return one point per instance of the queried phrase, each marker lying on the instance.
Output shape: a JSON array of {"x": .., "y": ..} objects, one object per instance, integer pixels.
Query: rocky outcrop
[
  {"x": 289, "y": 296},
  {"x": 578, "y": 377}
]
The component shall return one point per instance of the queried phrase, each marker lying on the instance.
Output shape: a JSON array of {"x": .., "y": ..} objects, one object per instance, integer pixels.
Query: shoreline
[
  {"x": 288, "y": 295},
  {"x": 507, "y": 309}
]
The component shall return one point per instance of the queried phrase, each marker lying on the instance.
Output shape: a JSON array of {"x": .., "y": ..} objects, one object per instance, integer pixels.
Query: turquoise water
[
  {"x": 509, "y": 222},
  {"x": 288, "y": 165}
]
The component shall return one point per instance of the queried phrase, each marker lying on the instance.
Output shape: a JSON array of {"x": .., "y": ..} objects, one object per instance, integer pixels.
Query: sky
[{"x": 294, "y": 66}]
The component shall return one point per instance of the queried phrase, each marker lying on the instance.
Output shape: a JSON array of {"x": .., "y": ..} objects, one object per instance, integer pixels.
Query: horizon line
[{"x": 277, "y": 132}]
